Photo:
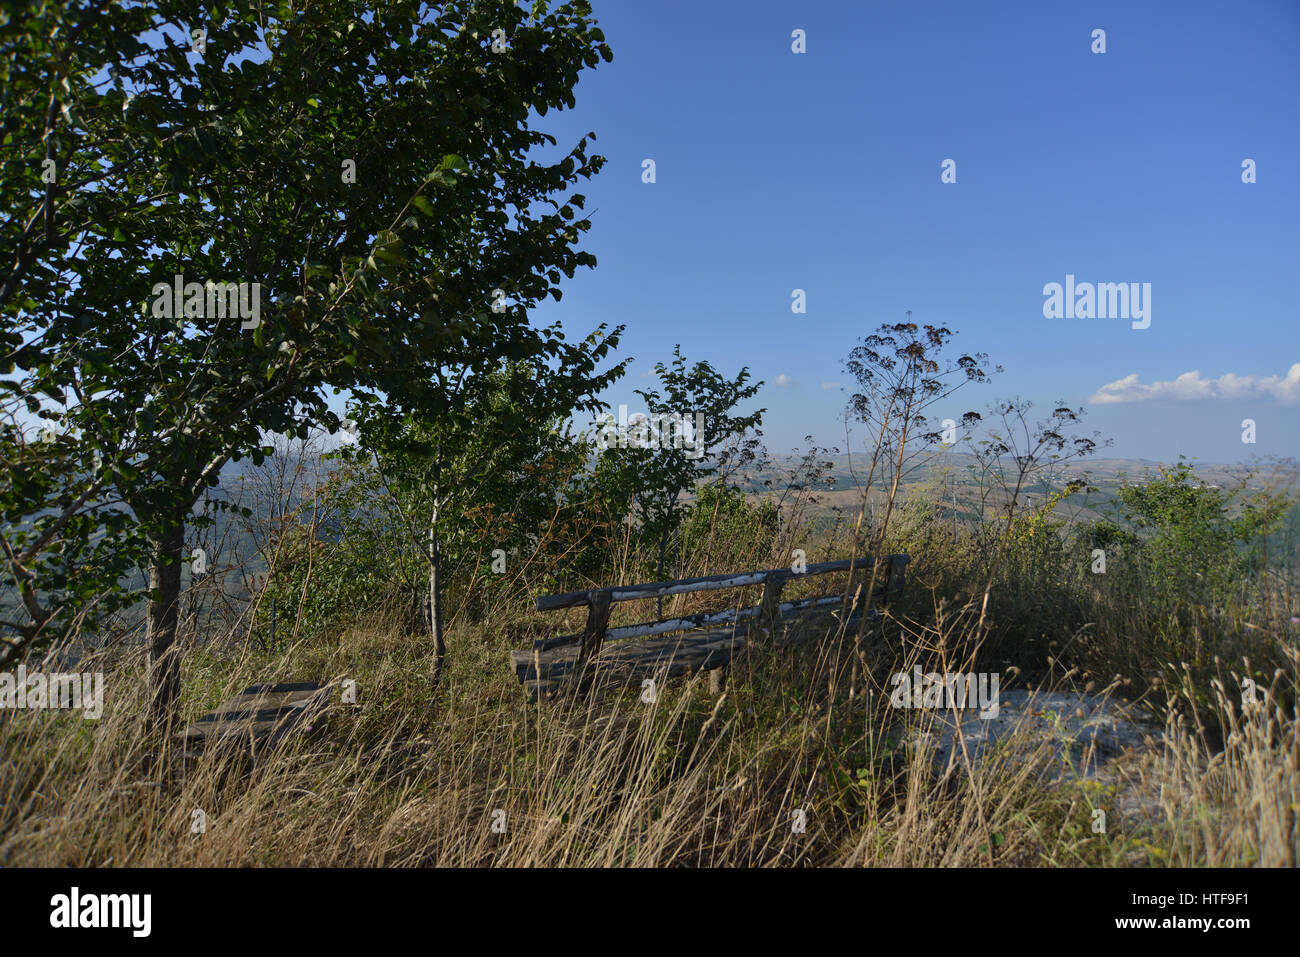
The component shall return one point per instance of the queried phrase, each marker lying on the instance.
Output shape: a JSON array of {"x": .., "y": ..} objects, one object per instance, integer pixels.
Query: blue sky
[{"x": 821, "y": 171}]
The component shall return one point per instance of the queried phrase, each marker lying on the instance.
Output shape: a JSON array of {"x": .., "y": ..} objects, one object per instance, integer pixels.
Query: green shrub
[
  {"x": 1194, "y": 542},
  {"x": 723, "y": 529}
]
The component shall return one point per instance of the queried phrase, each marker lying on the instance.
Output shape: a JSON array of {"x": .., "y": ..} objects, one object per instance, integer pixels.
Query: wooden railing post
[
  {"x": 770, "y": 608},
  {"x": 593, "y": 635},
  {"x": 894, "y": 583}
]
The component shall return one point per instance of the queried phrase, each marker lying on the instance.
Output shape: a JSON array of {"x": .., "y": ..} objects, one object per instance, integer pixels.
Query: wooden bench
[
  {"x": 260, "y": 716},
  {"x": 671, "y": 647}
]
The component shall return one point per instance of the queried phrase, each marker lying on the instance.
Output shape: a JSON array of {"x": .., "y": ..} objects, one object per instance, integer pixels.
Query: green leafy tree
[
  {"x": 470, "y": 473},
  {"x": 61, "y": 565},
  {"x": 364, "y": 170},
  {"x": 665, "y": 454}
]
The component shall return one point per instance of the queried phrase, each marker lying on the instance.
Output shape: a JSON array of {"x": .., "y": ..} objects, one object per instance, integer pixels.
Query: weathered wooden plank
[
  {"x": 688, "y": 622},
  {"x": 705, "y": 583},
  {"x": 261, "y": 713},
  {"x": 528, "y": 664},
  {"x": 692, "y": 649},
  {"x": 654, "y": 590},
  {"x": 627, "y": 674}
]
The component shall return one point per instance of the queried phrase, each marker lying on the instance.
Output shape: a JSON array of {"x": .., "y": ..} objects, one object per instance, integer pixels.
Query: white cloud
[
  {"x": 783, "y": 380},
  {"x": 1190, "y": 385},
  {"x": 830, "y": 385}
]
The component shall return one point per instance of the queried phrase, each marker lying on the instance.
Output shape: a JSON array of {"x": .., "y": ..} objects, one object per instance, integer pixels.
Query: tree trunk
[
  {"x": 167, "y": 545},
  {"x": 659, "y": 575},
  {"x": 435, "y": 599},
  {"x": 663, "y": 545}
]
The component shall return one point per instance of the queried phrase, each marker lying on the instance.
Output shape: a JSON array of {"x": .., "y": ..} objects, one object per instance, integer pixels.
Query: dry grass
[
  {"x": 691, "y": 779},
  {"x": 474, "y": 775}
]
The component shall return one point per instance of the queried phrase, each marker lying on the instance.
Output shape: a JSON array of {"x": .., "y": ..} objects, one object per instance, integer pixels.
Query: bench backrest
[
  {"x": 599, "y": 600},
  {"x": 896, "y": 567}
]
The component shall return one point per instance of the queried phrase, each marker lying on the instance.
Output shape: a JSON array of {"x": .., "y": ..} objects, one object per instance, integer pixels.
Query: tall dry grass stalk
[{"x": 690, "y": 779}]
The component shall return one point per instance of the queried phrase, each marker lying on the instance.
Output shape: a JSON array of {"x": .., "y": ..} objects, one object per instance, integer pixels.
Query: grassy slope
[{"x": 409, "y": 778}]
